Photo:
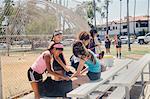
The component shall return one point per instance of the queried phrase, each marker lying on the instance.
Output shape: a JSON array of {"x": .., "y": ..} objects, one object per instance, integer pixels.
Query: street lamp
[
  {"x": 107, "y": 3},
  {"x": 128, "y": 27},
  {"x": 134, "y": 22},
  {"x": 148, "y": 17},
  {"x": 120, "y": 14}
]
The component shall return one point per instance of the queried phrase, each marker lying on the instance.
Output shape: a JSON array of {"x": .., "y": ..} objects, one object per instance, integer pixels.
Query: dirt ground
[{"x": 14, "y": 73}]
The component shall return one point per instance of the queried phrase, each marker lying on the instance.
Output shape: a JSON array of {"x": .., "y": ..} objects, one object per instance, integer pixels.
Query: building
[{"x": 139, "y": 24}]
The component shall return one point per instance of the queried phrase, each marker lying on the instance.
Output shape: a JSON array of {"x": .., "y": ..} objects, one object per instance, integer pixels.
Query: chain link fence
[
  {"x": 26, "y": 28},
  {"x": 14, "y": 67}
]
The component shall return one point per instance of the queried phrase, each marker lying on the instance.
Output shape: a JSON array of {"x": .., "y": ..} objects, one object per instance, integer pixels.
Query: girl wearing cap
[
  {"x": 42, "y": 63},
  {"x": 88, "y": 58},
  {"x": 59, "y": 62},
  {"x": 57, "y": 36}
]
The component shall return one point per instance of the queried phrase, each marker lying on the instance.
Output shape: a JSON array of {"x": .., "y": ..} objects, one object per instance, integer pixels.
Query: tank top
[
  {"x": 96, "y": 68},
  {"x": 56, "y": 65},
  {"x": 40, "y": 65}
]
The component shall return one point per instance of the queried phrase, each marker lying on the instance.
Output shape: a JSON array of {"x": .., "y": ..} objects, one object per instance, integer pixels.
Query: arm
[
  {"x": 84, "y": 70},
  {"x": 80, "y": 66},
  {"x": 48, "y": 64},
  {"x": 61, "y": 63}
]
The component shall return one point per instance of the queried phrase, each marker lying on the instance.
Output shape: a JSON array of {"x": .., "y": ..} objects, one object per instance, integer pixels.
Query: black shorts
[
  {"x": 93, "y": 76},
  {"x": 118, "y": 46},
  {"x": 34, "y": 76}
]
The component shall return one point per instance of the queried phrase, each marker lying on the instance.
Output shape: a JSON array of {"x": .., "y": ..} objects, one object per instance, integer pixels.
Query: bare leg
[
  {"x": 109, "y": 50},
  {"x": 80, "y": 80},
  {"x": 35, "y": 89},
  {"x": 119, "y": 52}
]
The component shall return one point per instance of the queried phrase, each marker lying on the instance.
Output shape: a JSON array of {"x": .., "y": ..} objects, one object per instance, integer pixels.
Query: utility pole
[
  {"x": 134, "y": 22},
  {"x": 1, "y": 86},
  {"x": 120, "y": 14},
  {"x": 7, "y": 39},
  {"x": 94, "y": 7},
  {"x": 107, "y": 3},
  {"x": 128, "y": 26},
  {"x": 148, "y": 17}
]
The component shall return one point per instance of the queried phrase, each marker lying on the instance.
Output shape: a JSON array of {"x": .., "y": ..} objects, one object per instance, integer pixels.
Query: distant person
[
  {"x": 118, "y": 47},
  {"x": 42, "y": 63},
  {"x": 94, "y": 43},
  {"x": 107, "y": 44},
  {"x": 89, "y": 58}
]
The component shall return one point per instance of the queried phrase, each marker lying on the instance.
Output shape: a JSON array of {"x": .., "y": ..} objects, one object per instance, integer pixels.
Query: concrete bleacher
[
  {"x": 124, "y": 81},
  {"x": 129, "y": 78},
  {"x": 84, "y": 90}
]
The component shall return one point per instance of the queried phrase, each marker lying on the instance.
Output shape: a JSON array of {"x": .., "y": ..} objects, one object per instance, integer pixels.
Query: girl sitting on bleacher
[{"x": 88, "y": 58}]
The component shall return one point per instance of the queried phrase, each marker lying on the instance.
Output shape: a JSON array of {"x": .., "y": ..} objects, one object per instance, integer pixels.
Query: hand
[
  {"x": 67, "y": 68},
  {"x": 72, "y": 69},
  {"x": 66, "y": 78}
]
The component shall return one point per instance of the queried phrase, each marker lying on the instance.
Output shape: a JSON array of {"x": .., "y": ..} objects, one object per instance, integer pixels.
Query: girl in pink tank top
[{"x": 42, "y": 63}]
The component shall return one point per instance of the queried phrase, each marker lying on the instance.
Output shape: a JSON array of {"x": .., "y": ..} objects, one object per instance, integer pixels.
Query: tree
[
  {"x": 106, "y": 5},
  {"x": 92, "y": 8},
  {"x": 8, "y": 8},
  {"x": 38, "y": 20},
  {"x": 1, "y": 19}
]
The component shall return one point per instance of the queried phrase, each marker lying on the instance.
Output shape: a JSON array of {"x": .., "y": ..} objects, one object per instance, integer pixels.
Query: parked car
[
  {"x": 68, "y": 42},
  {"x": 124, "y": 39},
  {"x": 144, "y": 39},
  {"x": 3, "y": 45}
]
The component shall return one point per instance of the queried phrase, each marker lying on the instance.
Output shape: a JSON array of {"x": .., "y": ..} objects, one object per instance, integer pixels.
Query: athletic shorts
[
  {"x": 118, "y": 46},
  {"x": 34, "y": 76},
  {"x": 93, "y": 76}
]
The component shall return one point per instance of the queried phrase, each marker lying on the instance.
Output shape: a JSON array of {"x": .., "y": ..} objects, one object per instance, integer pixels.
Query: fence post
[
  {"x": 1, "y": 88},
  {"x": 149, "y": 70}
]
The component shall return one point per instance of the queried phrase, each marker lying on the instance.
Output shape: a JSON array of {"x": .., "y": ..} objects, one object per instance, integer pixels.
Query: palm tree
[
  {"x": 92, "y": 8},
  {"x": 106, "y": 7},
  {"x": 128, "y": 29}
]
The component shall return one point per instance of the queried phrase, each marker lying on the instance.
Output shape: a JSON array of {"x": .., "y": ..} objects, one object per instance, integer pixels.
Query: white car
[
  {"x": 144, "y": 39},
  {"x": 68, "y": 42},
  {"x": 124, "y": 39},
  {"x": 3, "y": 45}
]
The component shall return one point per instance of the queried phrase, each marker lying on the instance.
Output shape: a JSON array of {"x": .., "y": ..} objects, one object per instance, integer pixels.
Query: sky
[{"x": 114, "y": 8}]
